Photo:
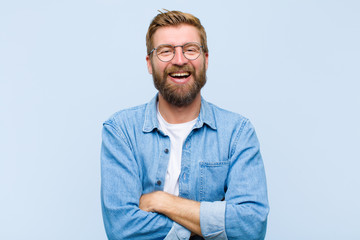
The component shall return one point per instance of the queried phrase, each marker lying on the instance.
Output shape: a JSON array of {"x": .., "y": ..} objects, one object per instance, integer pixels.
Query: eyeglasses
[{"x": 166, "y": 52}]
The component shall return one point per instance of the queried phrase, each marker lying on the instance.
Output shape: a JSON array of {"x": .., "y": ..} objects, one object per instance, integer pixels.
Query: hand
[
  {"x": 152, "y": 202},
  {"x": 183, "y": 211}
]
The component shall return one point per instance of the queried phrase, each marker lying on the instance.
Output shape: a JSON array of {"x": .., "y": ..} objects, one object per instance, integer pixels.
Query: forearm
[{"x": 183, "y": 211}]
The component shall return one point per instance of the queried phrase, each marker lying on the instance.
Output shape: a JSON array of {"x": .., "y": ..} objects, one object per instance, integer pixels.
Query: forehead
[{"x": 176, "y": 35}]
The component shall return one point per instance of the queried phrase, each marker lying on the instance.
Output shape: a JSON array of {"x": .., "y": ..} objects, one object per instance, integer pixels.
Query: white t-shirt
[{"x": 178, "y": 134}]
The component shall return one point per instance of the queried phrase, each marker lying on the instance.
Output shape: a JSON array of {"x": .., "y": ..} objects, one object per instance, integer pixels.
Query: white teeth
[{"x": 184, "y": 74}]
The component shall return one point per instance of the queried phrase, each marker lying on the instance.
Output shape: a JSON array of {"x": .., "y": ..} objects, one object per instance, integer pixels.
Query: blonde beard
[{"x": 183, "y": 95}]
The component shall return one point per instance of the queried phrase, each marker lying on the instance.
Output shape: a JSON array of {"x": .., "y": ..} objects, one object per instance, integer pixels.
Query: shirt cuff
[
  {"x": 212, "y": 220},
  {"x": 178, "y": 232}
]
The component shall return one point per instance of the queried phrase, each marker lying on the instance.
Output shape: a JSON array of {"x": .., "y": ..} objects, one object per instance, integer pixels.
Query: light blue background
[{"x": 291, "y": 66}]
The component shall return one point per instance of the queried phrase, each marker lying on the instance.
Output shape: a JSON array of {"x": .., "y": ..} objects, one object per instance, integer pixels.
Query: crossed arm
[
  {"x": 130, "y": 214},
  {"x": 183, "y": 211}
]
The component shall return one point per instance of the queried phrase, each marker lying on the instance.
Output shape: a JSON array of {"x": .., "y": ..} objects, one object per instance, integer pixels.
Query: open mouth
[{"x": 180, "y": 75}]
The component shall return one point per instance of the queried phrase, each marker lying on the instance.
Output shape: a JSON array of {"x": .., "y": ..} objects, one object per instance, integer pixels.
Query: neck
[{"x": 173, "y": 114}]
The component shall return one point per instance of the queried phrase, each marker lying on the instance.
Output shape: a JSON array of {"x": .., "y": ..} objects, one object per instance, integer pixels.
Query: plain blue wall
[{"x": 292, "y": 67}]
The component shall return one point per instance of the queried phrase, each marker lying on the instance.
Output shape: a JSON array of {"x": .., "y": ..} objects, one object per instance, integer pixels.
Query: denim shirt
[{"x": 221, "y": 167}]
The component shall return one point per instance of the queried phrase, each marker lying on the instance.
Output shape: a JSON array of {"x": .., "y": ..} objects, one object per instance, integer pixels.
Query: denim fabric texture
[{"x": 221, "y": 167}]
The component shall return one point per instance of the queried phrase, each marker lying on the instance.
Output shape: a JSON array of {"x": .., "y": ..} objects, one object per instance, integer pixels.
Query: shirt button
[
  {"x": 158, "y": 182},
  {"x": 166, "y": 150}
]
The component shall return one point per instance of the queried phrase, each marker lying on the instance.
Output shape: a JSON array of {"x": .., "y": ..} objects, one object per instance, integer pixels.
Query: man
[{"x": 179, "y": 167}]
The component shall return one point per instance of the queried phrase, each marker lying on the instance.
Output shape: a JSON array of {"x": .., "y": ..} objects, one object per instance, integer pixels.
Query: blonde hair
[{"x": 174, "y": 18}]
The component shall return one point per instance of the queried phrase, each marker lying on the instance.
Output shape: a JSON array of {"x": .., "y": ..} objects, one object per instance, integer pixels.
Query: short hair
[{"x": 174, "y": 18}]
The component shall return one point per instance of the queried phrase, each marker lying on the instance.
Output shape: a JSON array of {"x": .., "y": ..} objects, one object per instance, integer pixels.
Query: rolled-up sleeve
[
  {"x": 178, "y": 232},
  {"x": 212, "y": 220}
]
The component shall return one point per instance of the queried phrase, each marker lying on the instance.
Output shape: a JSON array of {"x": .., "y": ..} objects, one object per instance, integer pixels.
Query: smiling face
[{"x": 180, "y": 80}]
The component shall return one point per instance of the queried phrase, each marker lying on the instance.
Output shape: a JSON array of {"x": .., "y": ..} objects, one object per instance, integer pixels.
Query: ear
[
  {"x": 148, "y": 62},
  {"x": 206, "y": 60}
]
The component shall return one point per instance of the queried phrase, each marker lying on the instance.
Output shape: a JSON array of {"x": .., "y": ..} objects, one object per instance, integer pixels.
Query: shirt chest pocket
[{"x": 213, "y": 180}]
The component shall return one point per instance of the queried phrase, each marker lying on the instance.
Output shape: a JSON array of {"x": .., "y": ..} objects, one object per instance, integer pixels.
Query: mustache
[{"x": 174, "y": 68}]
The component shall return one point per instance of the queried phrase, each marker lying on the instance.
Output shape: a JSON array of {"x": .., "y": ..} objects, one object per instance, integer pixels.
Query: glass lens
[
  {"x": 191, "y": 50},
  {"x": 165, "y": 52}
]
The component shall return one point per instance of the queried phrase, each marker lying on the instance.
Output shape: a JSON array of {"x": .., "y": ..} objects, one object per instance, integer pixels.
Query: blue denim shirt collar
[{"x": 206, "y": 116}]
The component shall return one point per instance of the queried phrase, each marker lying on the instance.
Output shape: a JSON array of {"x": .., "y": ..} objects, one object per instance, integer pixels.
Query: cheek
[
  {"x": 200, "y": 66},
  {"x": 161, "y": 69}
]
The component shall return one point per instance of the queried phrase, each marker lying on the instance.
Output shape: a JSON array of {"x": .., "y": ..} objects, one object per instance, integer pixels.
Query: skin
[
  {"x": 177, "y": 35},
  {"x": 183, "y": 211}
]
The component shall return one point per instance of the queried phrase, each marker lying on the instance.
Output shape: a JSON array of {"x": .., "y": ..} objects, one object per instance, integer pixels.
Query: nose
[{"x": 179, "y": 58}]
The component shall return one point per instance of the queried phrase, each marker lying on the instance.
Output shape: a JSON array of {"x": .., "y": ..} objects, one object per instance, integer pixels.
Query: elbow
[
  {"x": 117, "y": 224},
  {"x": 114, "y": 236},
  {"x": 258, "y": 231},
  {"x": 258, "y": 224},
  {"x": 254, "y": 229},
  {"x": 247, "y": 223},
  {"x": 113, "y": 228}
]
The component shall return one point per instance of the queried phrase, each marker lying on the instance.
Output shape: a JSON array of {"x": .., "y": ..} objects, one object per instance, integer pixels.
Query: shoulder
[
  {"x": 127, "y": 116},
  {"x": 227, "y": 119}
]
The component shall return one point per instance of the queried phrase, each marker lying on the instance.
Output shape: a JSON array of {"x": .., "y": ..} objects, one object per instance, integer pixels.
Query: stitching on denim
[
  {"x": 238, "y": 136},
  {"x": 201, "y": 183},
  {"x": 119, "y": 133},
  {"x": 214, "y": 164}
]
